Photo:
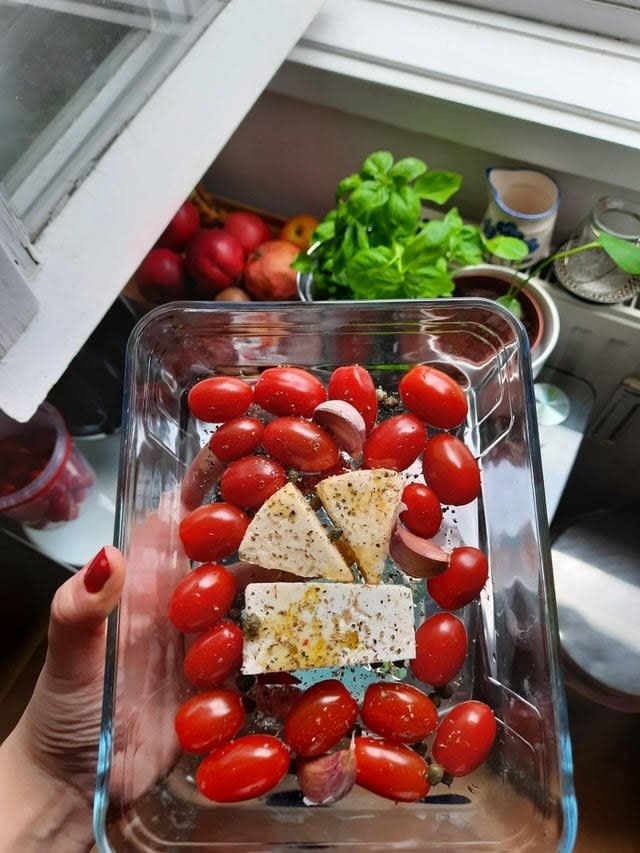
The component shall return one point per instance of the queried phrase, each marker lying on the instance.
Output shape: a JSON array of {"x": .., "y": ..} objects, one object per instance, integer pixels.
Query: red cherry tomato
[
  {"x": 462, "y": 580},
  {"x": 249, "y": 229},
  {"x": 423, "y": 515},
  {"x": 201, "y": 598},
  {"x": 289, "y": 391},
  {"x": 183, "y": 225},
  {"x": 391, "y": 770},
  {"x": 433, "y": 396},
  {"x": 208, "y": 720},
  {"x": 301, "y": 444},
  {"x": 398, "y": 712},
  {"x": 353, "y": 384},
  {"x": 320, "y": 718},
  {"x": 464, "y": 737},
  {"x": 249, "y": 481},
  {"x": 213, "y": 531},
  {"x": 441, "y": 649},
  {"x": 395, "y": 443},
  {"x": 450, "y": 470},
  {"x": 219, "y": 398},
  {"x": 214, "y": 655},
  {"x": 243, "y": 769},
  {"x": 236, "y": 438}
]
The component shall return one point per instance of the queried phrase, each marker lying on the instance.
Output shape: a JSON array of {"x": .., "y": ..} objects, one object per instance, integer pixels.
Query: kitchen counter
[{"x": 606, "y": 743}]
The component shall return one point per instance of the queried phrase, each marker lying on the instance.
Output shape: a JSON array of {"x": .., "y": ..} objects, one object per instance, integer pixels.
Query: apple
[
  {"x": 268, "y": 274},
  {"x": 249, "y": 229},
  {"x": 299, "y": 230},
  {"x": 181, "y": 228},
  {"x": 215, "y": 260},
  {"x": 161, "y": 277}
]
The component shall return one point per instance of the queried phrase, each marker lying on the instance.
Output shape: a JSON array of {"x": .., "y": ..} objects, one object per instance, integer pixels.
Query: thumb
[{"x": 79, "y": 610}]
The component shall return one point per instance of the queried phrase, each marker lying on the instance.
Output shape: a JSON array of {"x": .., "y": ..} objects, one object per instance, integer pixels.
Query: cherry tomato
[
  {"x": 213, "y": 531},
  {"x": 398, "y": 712},
  {"x": 353, "y": 384},
  {"x": 301, "y": 444},
  {"x": 289, "y": 391},
  {"x": 245, "y": 768},
  {"x": 464, "y": 737},
  {"x": 236, "y": 438},
  {"x": 208, "y": 720},
  {"x": 433, "y": 396},
  {"x": 391, "y": 770},
  {"x": 441, "y": 648},
  {"x": 201, "y": 598},
  {"x": 214, "y": 655},
  {"x": 450, "y": 470},
  {"x": 219, "y": 398},
  {"x": 320, "y": 718},
  {"x": 395, "y": 443},
  {"x": 249, "y": 481},
  {"x": 462, "y": 580},
  {"x": 423, "y": 515}
]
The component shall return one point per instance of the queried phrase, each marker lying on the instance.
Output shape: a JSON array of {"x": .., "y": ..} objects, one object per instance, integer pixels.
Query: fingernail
[{"x": 97, "y": 572}]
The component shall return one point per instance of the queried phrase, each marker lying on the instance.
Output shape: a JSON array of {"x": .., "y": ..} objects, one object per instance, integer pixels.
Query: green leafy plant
[
  {"x": 375, "y": 244},
  {"x": 624, "y": 254}
]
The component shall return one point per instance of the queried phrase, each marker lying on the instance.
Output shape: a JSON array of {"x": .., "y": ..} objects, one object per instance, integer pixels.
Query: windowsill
[{"x": 529, "y": 91}]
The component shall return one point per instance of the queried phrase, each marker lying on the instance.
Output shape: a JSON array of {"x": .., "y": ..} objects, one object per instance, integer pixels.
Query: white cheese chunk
[
  {"x": 292, "y": 626},
  {"x": 364, "y": 505},
  {"x": 286, "y": 534}
]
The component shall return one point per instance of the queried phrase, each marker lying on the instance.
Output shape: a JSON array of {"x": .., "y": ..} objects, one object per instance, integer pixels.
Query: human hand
[{"x": 48, "y": 762}]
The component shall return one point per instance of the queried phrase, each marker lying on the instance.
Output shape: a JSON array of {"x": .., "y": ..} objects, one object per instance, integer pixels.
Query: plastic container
[
  {"x": 522, "y": 798},
  {"x": 43, "y": 478}
]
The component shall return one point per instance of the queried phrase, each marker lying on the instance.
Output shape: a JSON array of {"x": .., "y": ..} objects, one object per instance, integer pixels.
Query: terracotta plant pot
[{"x": 540, "y": 316}]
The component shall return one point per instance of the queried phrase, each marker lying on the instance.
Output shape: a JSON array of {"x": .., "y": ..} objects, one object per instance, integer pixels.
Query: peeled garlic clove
[
  {"x": 345, "y": 423},
  {"x": 417, "y": 557},
  {"x": 328, "y": 778},
  {"x": 202, "y": 475}
]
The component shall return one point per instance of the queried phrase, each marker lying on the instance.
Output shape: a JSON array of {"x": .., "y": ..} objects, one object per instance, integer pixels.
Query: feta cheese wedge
[
  {"x": 286, "y": 534},
  {"x": 364, "y": 505},
  {"x": 292, "y": 626}
]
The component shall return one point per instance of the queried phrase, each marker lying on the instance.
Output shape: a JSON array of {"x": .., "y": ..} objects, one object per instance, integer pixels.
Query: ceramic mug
[{"x": 522, "y": 203}]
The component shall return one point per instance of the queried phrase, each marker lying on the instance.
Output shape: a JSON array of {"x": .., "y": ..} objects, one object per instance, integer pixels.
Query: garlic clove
[
  {"x": 417, "y": 557},
  {"x": 328, "y": 778},
  {"x": 345, "y": 423}
]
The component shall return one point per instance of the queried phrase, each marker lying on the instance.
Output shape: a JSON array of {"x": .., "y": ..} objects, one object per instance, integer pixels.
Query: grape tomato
[
  {"x": 219, "y": 398},
  {"x": 236, "y": 438},
  {"x": 391, "y": 770},
  {"x": 248, "y": 482},
  {"x": 395, "y": 443},
  {"x": 213, "y": 531},
  {"x": 353, "y": 384},
  {"x": 423, "y": 513},
  {"x": 300, "y": 444},
  {"x": 243, "y": 769},
  {"x": 441, "y": 649},
  {"x": 321, "y": 717},
  {"x": 214, "y": 655},
  {"x": 289, "y": 391},
  {"x": 202, "y": 597},
  {"x": 462, "y": 580},
  {"x": 398, "y": 712},
  {"x": 450, "y": 469},
  {"x": 433, "y": 396},
  {"x": 208, "y": 720},
  {"x": 465, "y": 737}
]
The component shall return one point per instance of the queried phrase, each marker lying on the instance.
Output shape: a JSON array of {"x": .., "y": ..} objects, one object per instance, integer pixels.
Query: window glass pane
[{"x": 72, "y": 73}]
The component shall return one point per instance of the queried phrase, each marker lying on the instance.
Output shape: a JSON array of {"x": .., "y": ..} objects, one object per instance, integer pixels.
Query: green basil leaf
[
  {"x": 366, "y": 199},
  {"x": 625, "y": 254},
  {"x": 511, "y": 303},
  {"x": 421, "y": 250},
  {"x": 438, "y": 186},
  {"x": 377, "y": 165},
  {"x": 468, "y": 247},
  {"x": 348, "y": 185},
  {"x": 407, "y": 169},
  {"x": 403, "y": 209},
  {"x": 371, "y": 274},
  {"x": 427, "y": 282},
  {"x": 507, "y": 248},
  {"x": 325, "y": 230},
  {"x": 436, "y": 232}
]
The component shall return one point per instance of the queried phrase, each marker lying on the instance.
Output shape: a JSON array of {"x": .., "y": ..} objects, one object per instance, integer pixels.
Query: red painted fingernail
[{"x": 97, "y": 572}]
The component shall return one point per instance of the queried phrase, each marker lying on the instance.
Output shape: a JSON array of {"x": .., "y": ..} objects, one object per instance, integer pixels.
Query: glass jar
[
  {"x": 592, "y": 274},
  {"x": 43, "y": 477}
]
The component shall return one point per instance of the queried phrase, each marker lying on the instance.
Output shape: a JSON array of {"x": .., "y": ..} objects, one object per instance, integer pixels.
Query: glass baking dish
[{"x": 522, "y": 798}]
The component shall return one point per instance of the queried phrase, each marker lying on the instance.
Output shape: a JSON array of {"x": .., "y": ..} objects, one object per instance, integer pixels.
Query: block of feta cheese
[
  {"x": 364, "y": 505},
  {"x": 286, "y": 534},
  {"x": 292, "y": 626}
]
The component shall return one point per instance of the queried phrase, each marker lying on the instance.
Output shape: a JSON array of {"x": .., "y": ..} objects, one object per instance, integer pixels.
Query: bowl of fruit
[{"x": 338, "y": 628}]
